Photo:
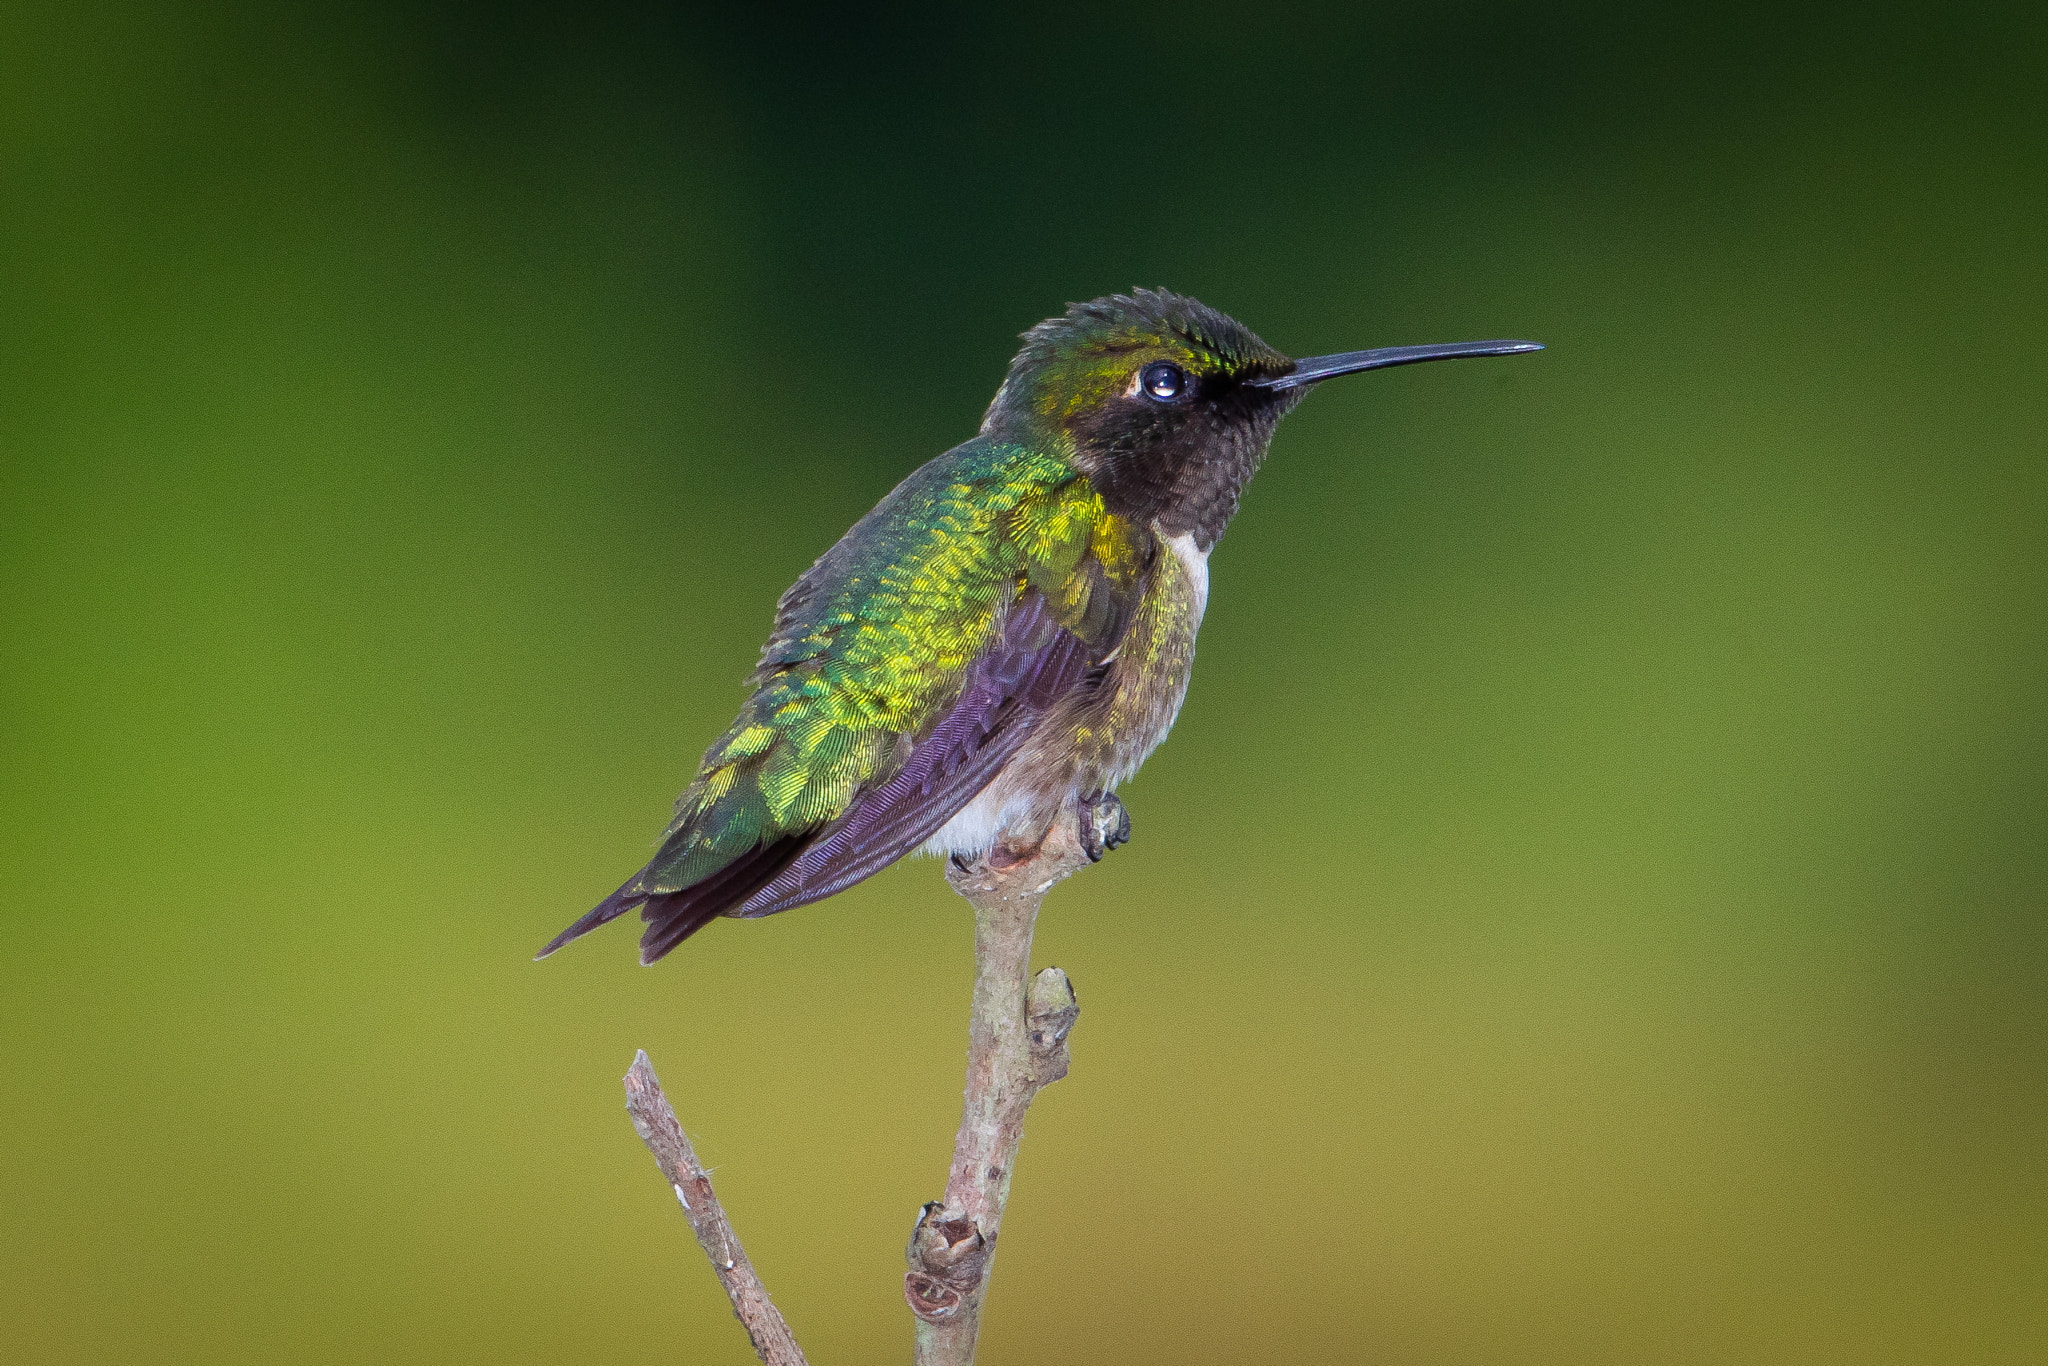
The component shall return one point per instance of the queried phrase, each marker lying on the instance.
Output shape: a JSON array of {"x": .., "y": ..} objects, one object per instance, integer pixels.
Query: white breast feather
[{"x": 1195, "y": 562}]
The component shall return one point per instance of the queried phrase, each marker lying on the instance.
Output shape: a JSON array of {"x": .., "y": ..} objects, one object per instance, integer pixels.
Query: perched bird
[{"x": 1009, "y": 631}]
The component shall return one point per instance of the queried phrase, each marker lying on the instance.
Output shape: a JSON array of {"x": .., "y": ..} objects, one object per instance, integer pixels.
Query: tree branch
[
  {"x": 655, "y": 1121},
  {"x": 1016, "y": 1043}
]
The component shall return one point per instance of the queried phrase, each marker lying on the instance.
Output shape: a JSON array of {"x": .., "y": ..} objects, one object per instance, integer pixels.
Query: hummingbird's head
[
  {"x": 1166, "y": 405},
  {"x": 1149, "y": 394}
]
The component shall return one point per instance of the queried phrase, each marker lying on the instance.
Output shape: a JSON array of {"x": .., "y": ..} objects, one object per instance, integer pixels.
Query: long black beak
[{"x": 1316, "y": 369}]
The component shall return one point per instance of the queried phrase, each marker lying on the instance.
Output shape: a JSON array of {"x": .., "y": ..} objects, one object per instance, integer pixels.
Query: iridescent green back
[{"x": 873, "y": 643}]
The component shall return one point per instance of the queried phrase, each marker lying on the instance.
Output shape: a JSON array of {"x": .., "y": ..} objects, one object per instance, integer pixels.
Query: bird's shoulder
[
  {"x": 876, "y": 640},
  {"x": 924, "y": 574}
]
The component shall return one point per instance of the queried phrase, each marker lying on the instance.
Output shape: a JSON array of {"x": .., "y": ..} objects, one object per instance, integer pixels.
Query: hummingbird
[{"x": 1009, "y": 632}]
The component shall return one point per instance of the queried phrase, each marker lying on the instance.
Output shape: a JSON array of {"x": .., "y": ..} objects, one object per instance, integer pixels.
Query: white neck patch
[{"x": 1194, "y": 562}]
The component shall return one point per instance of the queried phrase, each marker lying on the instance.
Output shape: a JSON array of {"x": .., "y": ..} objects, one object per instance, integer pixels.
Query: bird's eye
[{"x": 1163, "y": 381}]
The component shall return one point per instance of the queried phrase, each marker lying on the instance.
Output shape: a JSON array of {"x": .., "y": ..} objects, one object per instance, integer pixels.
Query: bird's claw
[{"x": 1105, "y": 823}]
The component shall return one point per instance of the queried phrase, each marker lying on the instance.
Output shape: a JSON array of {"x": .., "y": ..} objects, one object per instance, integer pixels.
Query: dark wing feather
[
  {"x": 673, "y": 917},
  {"x": 606, "y": 911},
  {"x": 1036, "y": 662}
]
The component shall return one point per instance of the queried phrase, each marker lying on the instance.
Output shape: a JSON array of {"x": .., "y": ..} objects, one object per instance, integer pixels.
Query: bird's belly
[
  {"x": 999, "y": 809},
  {"x": 1097, "y": 737}
]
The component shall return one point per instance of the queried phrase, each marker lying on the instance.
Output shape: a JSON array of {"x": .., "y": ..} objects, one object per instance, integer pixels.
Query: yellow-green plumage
[
  {"x": 874, "y": 641},
  {"x": 1009, "y": 631}
]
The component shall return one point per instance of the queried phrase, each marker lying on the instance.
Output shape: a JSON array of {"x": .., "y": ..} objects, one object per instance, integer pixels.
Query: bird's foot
[{"x": 1105, "y": 823}]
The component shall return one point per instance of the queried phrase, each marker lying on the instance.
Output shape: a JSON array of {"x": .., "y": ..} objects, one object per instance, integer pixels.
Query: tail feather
[
  {"x": 607, "y": 910},
  {"x": 674, "y": 916}
]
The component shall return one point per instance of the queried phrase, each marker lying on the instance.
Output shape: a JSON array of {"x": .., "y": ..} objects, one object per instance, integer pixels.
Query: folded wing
[
  {"x": 904, "y": 670},
  {"x": 1037, "y": 662}
]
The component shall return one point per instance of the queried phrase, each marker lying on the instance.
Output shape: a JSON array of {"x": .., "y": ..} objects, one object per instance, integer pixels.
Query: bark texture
[
  {"x": 1016, "y": 1044},
  {"x": 655, "y": 1121}
]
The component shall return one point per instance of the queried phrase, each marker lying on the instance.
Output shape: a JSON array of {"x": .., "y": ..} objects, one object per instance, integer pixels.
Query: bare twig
[
  {"x": 1016, "y": 1043},
  {"x": 656, "y": 1124}
]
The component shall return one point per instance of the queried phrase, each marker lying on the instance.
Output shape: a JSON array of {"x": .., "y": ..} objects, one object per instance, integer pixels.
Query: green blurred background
[{"x": 1591, "y": 910}]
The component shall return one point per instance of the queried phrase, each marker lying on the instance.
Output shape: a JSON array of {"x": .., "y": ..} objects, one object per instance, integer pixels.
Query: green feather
[{"x": 874, "y": 642}]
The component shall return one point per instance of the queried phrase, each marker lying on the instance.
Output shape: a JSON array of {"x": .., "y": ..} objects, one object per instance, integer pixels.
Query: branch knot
[
  {"x": 1017, "y": 1044},
  {"x": 1050, "y": 1014}
]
